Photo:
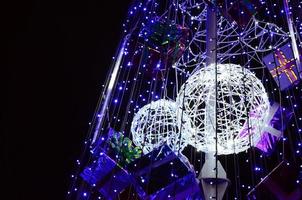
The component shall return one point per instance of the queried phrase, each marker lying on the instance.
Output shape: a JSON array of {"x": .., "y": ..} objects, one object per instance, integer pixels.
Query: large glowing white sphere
[
  {"x": 242, "y": 106},
  {"x": 159, "y": 123}
]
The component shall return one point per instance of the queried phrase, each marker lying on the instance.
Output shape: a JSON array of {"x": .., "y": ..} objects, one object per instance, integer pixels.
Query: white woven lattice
[
  {"x": 257, "y": 39},
  {"x": 160, "y": 122},
  {"x": 240, "y": 96}
]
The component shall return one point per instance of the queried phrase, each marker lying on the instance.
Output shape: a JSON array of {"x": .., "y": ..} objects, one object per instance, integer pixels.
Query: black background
[{"x": 57, "y": 54}]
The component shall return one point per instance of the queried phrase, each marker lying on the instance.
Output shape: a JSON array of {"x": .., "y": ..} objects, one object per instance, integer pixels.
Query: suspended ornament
[
  {"x": 158, "y": 123},
  {"x": 282, "y": 66},
  {"x": 164, "y": 36},
  {"x": 117, "y": 146},
  {"x": 240, "y": 11},
  {"x": 239, "y": 95},
  {"x": 106, "y": 174},
  {"x": 162, "y": 174},
  {"x": 276, "y": 122},
  {"x": 280, "y": 183},
  {"x": 165, "y": 42},
  {"x": 123, "y": 150}
]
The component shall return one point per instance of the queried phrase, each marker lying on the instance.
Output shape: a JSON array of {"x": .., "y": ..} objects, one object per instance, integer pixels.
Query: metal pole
[
  {"x": 213, "y": 177},
  {"x": 109, "y": 89},
  {"x": 211, "y": 55},
  {"x": 293, "y": 37}
]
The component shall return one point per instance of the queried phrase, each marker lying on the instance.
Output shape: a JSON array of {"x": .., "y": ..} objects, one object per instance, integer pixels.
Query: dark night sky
[{"x": 58, "y": 54}]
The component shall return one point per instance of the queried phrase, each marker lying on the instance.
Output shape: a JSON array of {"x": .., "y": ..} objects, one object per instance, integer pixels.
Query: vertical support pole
[
  {"x": 108, "y": 90},
  {"x": 214, "y": 184},
  {"x": 211, "y": 57},
  {"x": 211, "y": 54},
  {"x": 293, "y": 37},
  {"x": 212, "y": 176}
]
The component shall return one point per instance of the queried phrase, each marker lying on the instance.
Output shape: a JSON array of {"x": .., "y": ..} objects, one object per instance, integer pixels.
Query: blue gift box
[
  {"x": 163, "y": 35},
  {"x": 240, "y": 11},
  {"x": 276, "y": 122},
  {"x": 282, "y": 66},
  {"x": 106, "y": 176},
  {"x": 101, "y": 144},
  {"x": 280, "y": 183},
  {"x": 161, "y": 174},
  {"x": 165, "y": 42}
]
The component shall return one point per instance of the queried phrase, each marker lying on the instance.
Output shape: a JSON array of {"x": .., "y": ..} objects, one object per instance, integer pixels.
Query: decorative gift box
[
  {"x": 282, "y": 66},
  {"x": 281, "y": 183},
  {"x": 102, "y": 143},
  {"x": 164, "y": 40},
  {"x": 163, "y": 35},
  {"x": 117, "y": 147},
  {"x": 277, "y": 120},
  {"x": 275, "y": 123},
  {"x": 240, "y": 11},
  {"x": 113, "y": 152},
  {"x": 161, "y": 174},
  {"x": 106, "y": 176}
]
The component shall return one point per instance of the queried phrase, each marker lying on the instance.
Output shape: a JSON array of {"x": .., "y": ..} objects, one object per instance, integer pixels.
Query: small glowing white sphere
[
  {"x": 240, "y": 102},
  {"x": 159, "y": 123}
]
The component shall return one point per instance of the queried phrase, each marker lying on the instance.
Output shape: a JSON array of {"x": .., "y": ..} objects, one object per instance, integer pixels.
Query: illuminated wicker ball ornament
[
  {"x": 158, "y": 123},
  {"x": 242, "y": 106}
]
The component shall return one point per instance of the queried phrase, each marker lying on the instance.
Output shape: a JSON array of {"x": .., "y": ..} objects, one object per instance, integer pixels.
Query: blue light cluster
[{"x": 135, "y": 88}]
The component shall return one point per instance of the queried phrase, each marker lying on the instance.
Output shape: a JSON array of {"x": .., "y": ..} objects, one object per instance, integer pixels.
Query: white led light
[
  {"x": 240, "y": 96},
  {"x": 160, "y": 122}
]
